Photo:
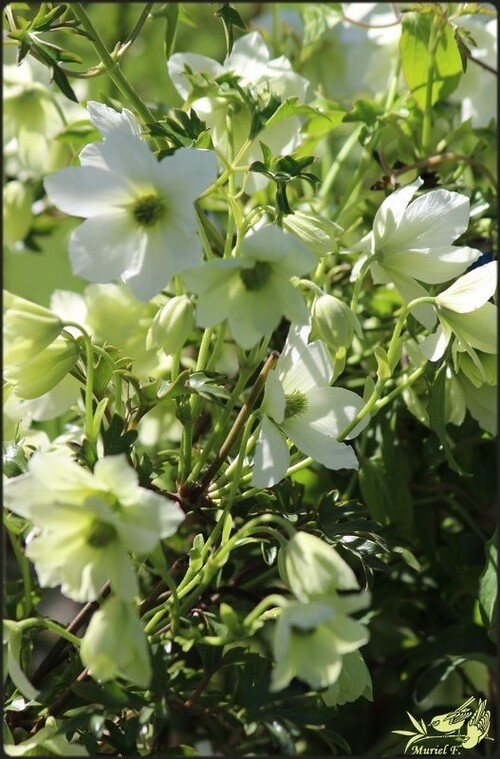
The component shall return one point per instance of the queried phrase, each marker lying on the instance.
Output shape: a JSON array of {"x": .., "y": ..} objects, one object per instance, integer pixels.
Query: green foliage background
[{"x": 421, "y": 532}]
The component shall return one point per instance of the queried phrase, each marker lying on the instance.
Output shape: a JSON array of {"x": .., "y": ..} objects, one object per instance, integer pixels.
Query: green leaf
[
  {"x": 365, "y": 110},
  {"x": 61, "y": 80},
  {"x": 488, "y": 587},
  {"x": 414, "y": 48},
  {"x": 375, "y": 489},
  {"x": 172, "y": 18},
  {"x": 435, "y": 409},
  {"x": 204, "y": 385},
  {"x": 318, "y": 19},
  {"x": 229, "y": 17},
  {"x": 434, "y": 675},
  {"x": 13, "y": 635}
]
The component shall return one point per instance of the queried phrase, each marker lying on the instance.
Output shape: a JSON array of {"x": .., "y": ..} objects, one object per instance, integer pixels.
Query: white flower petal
[
  {"x": 433, "y": 220},
  {"x": 470, "y": 291},
  {"x": 303, "y": 366},
  {"x": 389, "y": 215},
  {"x": 271, "y": 456},
  {"x": 331, "y": 409},
  {"x": 409, "y": 290},
  {"x": 477, "y": 328},
  {"x": 186, "y": 174},
  {"x": 214, "y": 303},
  {"x": 86, "y": 190},
  {"x": 117, "y": 476},
  {"x": 168, "y": 249},
  {"x": 248, "y": 58},
  {"x": 107, "y": 120},
  {"x": 434, "y": 345},
  {"x": 274, "y": 397},
  {"x": 127, "y": 156},
  {"x": 106, "y": 247},
  {"x": 319, "y": 446},
  {"x": 433, "y": 265}
]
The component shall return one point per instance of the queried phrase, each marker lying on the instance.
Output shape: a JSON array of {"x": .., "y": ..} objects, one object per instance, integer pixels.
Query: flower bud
[
  {"x": 333, "y": 321},
  {"x": 317, "y": 233},
  {"x": 172, "y": 325},
  {"x": 115, "y": 644},
  {"x": 310, "y": 567},
  {"x": 28, "y": 328},
  {"x": 17, "y": 216},
  {"x": 45, "y": 370}
]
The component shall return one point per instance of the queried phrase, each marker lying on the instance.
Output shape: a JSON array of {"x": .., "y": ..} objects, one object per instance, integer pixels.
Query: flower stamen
[
  {"x": 295, "y": 404},
  {"x": 148, "y": 210},
  {"x": 256, "y": 278},
  {"x": 100, "y": 534}
]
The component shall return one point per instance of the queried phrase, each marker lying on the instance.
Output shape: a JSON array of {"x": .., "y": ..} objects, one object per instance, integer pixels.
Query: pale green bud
[
  {"x": 115, "y": 645},
  {"x": 27, "y": 328},
  {"x": 333, "y": 321},
  {"x": 310, "y": 567},
  {"x": 320, "y": 235},
  {"x": 172, "y": 325},
  {"x": 17, "y": 216},
  {"x": 45, "y": 370}
]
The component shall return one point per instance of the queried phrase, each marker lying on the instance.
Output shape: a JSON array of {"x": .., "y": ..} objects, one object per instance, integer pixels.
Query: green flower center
[
  {"x": 148, "y": 210},
  {"x": 257, "y": 277},
  {"x": 100, "y": 534},
  {"x": 295, "y": 404},
  {"x": 301, "y": 632}
]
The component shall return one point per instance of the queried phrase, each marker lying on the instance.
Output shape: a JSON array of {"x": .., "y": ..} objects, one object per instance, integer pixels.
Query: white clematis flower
[
  {"x": 140, "y": 226},
  {"x": 311, "y": 639},
  {"x": 300, "y": 404},
  {"x": 412, "y": 242},
  {"x": 253, "y": 292},
  {"x": 463, "y": 311},
  {"x": 251, "y": 62},
  {"x": 89, "y": 522}
]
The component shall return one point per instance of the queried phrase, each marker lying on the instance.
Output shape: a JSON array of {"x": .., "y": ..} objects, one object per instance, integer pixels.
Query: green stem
[
  {"x": 112, "y": 66},
  {"x": 89, "y": 382},
  {"x": 50, "y": 625},
  {"x": 24, "y": 568},
  {"x": 359, "y": 282},
  {"x": 427, "y": 119},
  {"x": 338, "y": 162},
  {"x": 273, "y": 600},
  {"x": 413, "y": 377},
  {"x": 239, "y": 421},
  {"x": 226, "y": 174}
]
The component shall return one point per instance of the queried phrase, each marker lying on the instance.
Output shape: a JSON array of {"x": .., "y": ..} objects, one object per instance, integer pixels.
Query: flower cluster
[{"x": 315, "y": 638}]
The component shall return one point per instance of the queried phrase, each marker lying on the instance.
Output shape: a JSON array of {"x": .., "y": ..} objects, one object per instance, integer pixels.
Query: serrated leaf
[
  {"x": 416, "y": 60},
  {"x": 61, "y": 80}
]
